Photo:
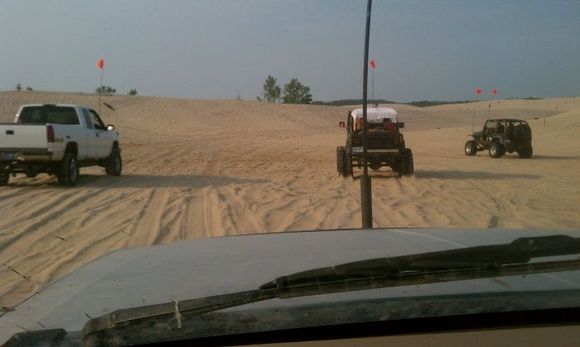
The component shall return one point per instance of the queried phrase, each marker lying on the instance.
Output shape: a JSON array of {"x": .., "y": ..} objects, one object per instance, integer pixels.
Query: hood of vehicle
[
  {"x": 198, "y": 268},
  {"x": 477, "y": 134}
]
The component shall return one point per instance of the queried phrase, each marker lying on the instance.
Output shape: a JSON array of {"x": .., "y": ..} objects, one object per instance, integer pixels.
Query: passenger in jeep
[{"x": 500, "y": 128}]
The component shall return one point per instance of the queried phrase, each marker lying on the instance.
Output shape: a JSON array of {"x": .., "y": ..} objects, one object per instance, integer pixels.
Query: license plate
[
  {"x": 357, "y": 149},
  {"x": 8, "y": 156}
]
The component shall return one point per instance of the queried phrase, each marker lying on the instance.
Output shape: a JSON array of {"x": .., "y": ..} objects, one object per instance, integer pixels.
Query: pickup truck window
[
  {"x": 88, "y": 120},
  {"x": 48, "y": 114},
  {"x": 96, "y": 121}
]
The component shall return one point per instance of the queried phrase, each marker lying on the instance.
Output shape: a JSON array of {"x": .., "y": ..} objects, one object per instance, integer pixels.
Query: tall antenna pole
[
  {"x": 478, "y": 92},
  {"x": 101, "y": 66},
  {"x": 473, "y": 118},
  {"x": 365, "y": 182},
  {"x": 373, "y": 82},
  {"x": 101, "y": 88}
]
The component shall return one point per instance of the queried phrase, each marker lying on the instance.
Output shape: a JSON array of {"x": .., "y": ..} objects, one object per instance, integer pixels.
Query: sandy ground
[{"x": 204, "y": 168}]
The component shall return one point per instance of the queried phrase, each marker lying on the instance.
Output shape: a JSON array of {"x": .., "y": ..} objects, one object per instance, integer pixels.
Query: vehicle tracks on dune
[{"x": 202, "y": 170}]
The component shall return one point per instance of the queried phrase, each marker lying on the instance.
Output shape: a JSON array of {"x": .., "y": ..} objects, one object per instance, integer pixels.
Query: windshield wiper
[{"x": 444, "y": 266}]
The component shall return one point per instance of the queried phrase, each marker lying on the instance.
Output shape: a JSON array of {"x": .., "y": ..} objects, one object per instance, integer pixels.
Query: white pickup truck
[{"x": 57, "y": 140}]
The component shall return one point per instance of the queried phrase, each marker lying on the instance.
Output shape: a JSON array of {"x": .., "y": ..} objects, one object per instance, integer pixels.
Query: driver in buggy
[{"x": 390, "y": 126}]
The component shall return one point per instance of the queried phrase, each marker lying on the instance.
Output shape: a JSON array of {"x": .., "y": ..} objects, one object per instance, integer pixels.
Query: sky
[{"x": 214, "y": 49}]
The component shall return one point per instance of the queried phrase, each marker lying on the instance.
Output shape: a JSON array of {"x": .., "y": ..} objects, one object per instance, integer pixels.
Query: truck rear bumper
[
  {"x": 30, "y": 161},
  {"x": 9, "y": 155}
]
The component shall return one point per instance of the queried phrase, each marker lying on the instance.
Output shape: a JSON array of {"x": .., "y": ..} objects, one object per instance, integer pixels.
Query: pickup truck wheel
[
  {"x": 69, "y": 170},
  {"x": 114, "y": 164},
  {"x": 4, "y": 178}
]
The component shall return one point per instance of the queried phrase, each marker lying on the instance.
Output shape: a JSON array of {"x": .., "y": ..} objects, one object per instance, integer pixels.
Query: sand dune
[{"x": 204, "y": 168}]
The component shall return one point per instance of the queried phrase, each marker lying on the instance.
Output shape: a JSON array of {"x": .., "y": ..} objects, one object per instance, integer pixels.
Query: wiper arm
[
  {"x": 452, "y": 265},
  {"x": 456, "y": 261}
]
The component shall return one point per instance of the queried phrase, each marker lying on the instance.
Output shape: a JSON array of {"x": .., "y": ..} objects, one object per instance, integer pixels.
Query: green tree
[
  {"x": 132, "y": 91},
  {"x": 296, "y": 93},
  {"x": 106, "y": 90},
  {"x": 271, "y": 89}
]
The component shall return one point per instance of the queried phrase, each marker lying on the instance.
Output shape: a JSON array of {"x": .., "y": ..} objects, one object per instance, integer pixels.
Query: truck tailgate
[{"x": 19, "y": 136}]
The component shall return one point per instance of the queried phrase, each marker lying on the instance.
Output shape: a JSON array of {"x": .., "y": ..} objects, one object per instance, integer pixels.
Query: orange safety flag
[
  {"x": 101, "y": 63},
  {"x": 373, "y": 64}
]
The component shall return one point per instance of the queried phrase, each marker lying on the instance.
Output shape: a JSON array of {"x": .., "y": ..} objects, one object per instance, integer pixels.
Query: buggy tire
[
  {"x": 399, "y": 165},
  {"x": 525, "y": 153},
  {"x": 470, "y": 148},
  {"x": 496, "y": 150},
  {"x": 409, "y": 165},
  {"x": 68, "y": 174},
  {"x": 4, "y": 179},
  {"x": 347, "y": 165},
  {"x": 340, "y": 160},
  {"x": 114, "y": 163}
]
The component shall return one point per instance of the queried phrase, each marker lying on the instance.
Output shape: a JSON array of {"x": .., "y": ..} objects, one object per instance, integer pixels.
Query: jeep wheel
[
  {"x": 525, "y": 153},
  {"x": 470, "y": 148},
  {"x": 496, "y": 150},
  {"x": 114, "y": 163},
  {"x": 68, "y": 174},
  {"x": 4, "y": 178}
]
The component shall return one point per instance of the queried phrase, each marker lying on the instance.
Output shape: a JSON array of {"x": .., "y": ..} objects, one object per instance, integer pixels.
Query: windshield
[{"x": 216, "y": 119}]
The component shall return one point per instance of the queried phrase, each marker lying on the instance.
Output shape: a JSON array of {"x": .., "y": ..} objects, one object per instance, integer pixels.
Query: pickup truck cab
[{"x": 57, "y": 140}]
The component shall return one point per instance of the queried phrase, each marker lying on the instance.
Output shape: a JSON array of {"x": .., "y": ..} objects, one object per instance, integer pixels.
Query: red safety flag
[
  {"x": 494, "y": 92},
  {"x": 373, "y": 64},
  {"x": 478, "y": 91},
  {"x": 101, "y": 63}
]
